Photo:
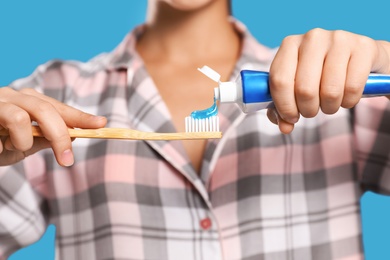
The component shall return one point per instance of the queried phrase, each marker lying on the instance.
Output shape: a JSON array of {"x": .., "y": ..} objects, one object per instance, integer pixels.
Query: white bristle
[{"x": 210, "y": 124}]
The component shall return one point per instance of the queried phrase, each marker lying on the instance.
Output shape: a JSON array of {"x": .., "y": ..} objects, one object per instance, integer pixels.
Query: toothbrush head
[{"x": 208, "y": 124}]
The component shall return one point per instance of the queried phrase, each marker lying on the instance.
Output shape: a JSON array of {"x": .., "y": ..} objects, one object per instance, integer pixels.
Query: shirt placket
[{"x": 206, "y": 235}]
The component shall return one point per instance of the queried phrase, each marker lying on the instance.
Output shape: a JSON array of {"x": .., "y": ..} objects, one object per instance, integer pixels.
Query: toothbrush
[
  {"x": 251, "y": 90},
  {"x": 128, "y": 134}
]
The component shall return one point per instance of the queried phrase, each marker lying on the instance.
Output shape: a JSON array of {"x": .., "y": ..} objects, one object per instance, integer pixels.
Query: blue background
[{"x": 33, "y": 32}]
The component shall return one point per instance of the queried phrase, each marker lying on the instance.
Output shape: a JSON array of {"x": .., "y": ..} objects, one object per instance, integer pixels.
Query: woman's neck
[{"x": 184, "y": 37}]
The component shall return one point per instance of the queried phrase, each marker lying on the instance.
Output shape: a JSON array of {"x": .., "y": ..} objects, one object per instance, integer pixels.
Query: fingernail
[
  {"x": 97, "y": 118},
  {"x": 67, "y": 158},
  {"x": 291, "y": 120},
  {"x": 276, "y": 116}
]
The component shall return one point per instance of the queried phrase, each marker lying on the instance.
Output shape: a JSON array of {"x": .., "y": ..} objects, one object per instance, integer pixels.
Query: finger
[
  {"x": 282, "y": 77},
  {"x": 18, "y": 125},
  {"x": 10, "y": 156},
  {"x": 284, "y": 126},
  {"x": 334, "y": 74},
  {"x": 312, "y": 53},
  {"x": 73, "y": 117},
  {"x": 51, "y": 123},
  {"x": 358, "y": 70}
]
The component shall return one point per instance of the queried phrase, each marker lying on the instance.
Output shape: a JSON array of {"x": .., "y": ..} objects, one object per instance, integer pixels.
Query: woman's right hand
[{"x": 19, "y": 108}]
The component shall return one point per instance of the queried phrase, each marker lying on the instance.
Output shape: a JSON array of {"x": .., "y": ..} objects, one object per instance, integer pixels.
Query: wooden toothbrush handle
[{"x": 127, "y": 134}]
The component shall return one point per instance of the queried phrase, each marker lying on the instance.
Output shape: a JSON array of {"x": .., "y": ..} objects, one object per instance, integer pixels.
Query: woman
[{"x": 256, "y": 193}]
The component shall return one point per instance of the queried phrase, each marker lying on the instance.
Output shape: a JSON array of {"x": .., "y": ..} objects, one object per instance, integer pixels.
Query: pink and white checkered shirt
[{"x": 260, "y": 194}]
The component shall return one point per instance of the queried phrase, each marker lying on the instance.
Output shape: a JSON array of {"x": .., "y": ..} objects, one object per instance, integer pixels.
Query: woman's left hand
[{"x": 322, "y": 70}]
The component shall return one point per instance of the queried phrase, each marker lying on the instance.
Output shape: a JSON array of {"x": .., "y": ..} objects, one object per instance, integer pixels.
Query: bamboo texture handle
[{"x": 127, "y": 134}]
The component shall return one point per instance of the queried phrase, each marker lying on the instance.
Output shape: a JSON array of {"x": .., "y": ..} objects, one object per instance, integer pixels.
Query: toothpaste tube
[{"x": 250, "y": 91}]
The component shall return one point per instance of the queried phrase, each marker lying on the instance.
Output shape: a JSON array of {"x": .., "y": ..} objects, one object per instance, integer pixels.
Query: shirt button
[{"x": 205, "y": 223}]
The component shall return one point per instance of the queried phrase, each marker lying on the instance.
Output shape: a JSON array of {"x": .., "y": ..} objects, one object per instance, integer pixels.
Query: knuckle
[
  {"x": 330, "y": 94},
  {"x": 353, "y": 88},
  {"x": 305, "y": 93},
  {"x": 5, "y": 91},
  {"x": 19, "y": 117},
  {"x": 340, "y": 36},
  {"x": 339, "y": 33},
  {"x": 366, "y": 41},
  {"x": 366, "y": 44},
  {"x": 278, "y": 81},
  {"x": 291, "y": 39},
  {"x": 314, "y": 33}
]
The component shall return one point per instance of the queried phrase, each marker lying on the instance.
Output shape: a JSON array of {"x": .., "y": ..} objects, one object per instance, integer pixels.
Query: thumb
[{"x": 284, "y": 126}]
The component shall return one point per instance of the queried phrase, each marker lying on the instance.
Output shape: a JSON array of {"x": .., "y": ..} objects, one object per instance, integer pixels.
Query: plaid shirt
[{"x": 260, "y": 194}]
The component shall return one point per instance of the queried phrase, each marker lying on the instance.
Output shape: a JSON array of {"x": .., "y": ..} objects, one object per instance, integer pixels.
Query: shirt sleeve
[
  {"x": 22, "y": 218},
  {"x": 23, "y": 207},
  {"x": 372, "y": 139}
]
